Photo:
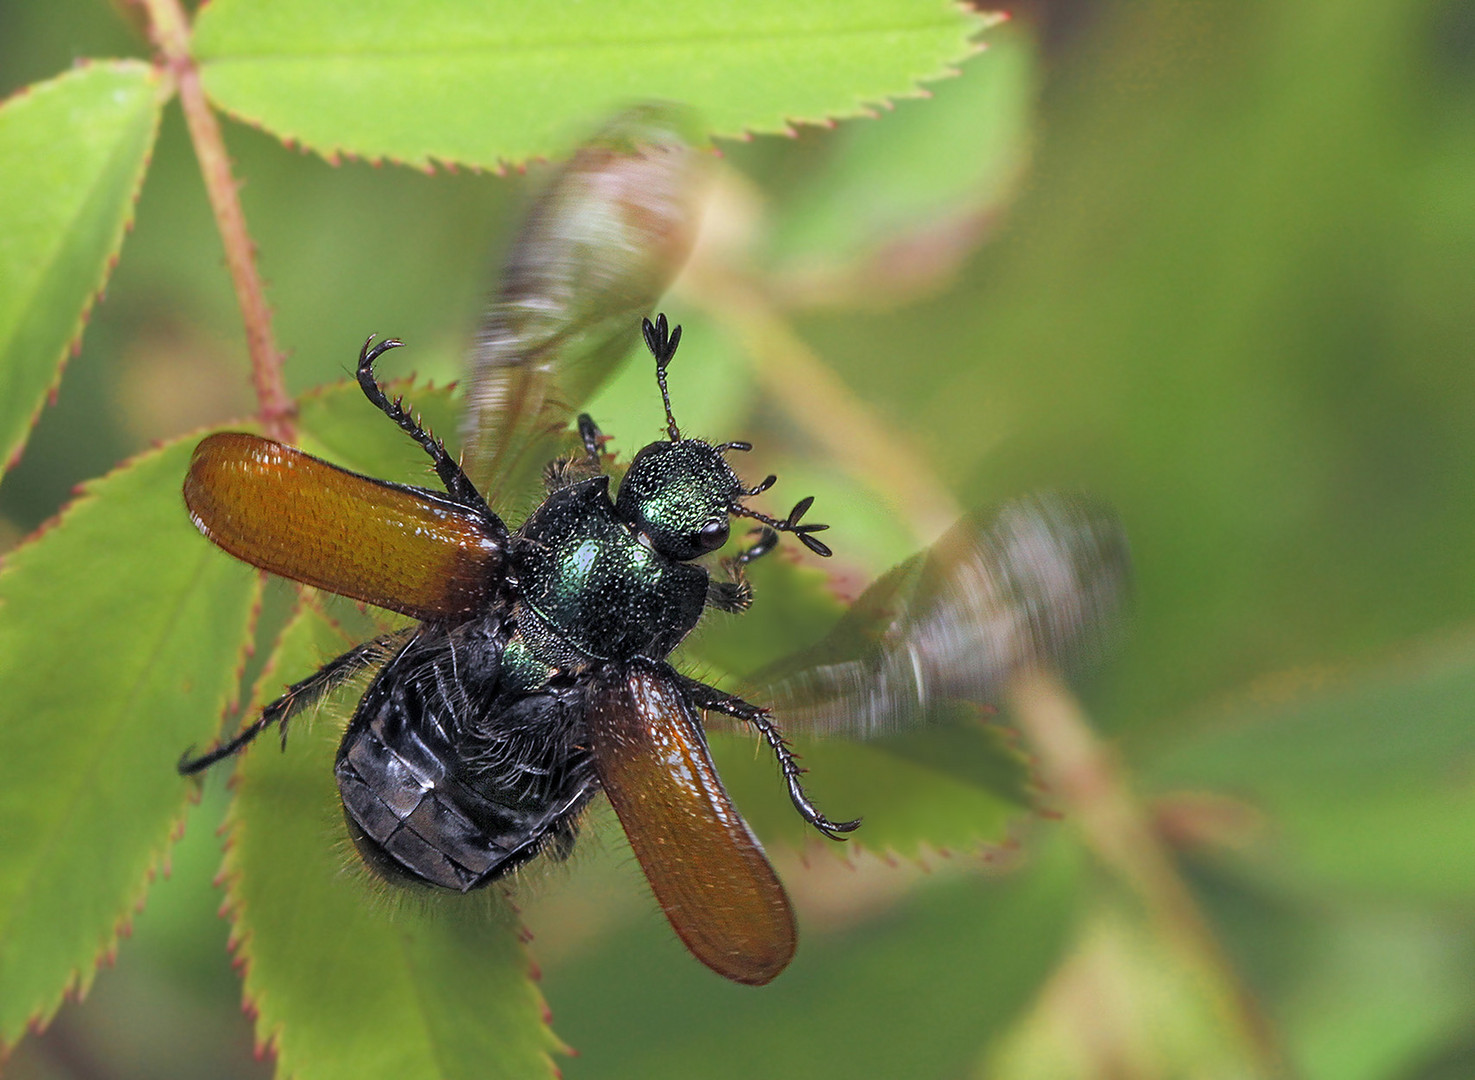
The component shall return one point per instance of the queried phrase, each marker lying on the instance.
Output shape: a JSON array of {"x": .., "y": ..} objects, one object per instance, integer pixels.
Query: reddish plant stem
[
  {"x": 1086, "y": 776},
  {"x": 171, "y": 32}
]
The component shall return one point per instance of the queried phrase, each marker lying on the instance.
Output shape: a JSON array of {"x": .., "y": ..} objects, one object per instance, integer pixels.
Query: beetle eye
[{"x": 712, "y": 535}]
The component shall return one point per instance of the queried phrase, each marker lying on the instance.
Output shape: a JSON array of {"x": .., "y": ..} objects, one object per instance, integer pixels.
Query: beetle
[{"x": 538, "y": 672}]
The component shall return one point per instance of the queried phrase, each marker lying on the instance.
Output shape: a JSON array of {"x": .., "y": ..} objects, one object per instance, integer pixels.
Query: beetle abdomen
[{"x": 443, "y": 783}]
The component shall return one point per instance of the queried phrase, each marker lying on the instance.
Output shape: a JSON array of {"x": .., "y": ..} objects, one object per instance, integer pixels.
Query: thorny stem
[
  {"x": 1082, "y": 772},
  {"x": 169, "y": 26}
]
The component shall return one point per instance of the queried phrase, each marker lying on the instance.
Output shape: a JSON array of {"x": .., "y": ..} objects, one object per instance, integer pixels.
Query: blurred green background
[{"x": 1211, "y": 262}]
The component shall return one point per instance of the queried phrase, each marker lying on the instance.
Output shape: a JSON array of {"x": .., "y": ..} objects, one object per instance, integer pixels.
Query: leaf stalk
[{"x": 170, "y": 30}]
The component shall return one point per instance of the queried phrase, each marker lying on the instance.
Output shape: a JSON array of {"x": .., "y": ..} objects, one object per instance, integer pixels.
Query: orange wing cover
[
  {"x": 704, "y": 865},
  {"x": 396, "y": 547}
]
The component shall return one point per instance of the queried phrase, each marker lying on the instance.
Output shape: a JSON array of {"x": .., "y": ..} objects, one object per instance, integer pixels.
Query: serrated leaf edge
[
  {"x": 429, "y": 163},
  {"x": 79, "y": 980},
  {"x": 73, "y": 344}
]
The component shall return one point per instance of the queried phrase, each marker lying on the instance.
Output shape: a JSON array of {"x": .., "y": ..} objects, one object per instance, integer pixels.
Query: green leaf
[
  {"x": 121, "y": 635},
  {"x": 350, "y": 977},
  {"x": 1381, "y": 991},
  {"x": 915, "y": 990},
  {"x": 1365, "y": 785},
  {"x": 492, "y": 84},
  {"x": 73, "y": 152}
]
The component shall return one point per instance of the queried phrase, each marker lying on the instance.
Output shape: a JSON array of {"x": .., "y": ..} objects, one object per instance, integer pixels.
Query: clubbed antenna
[
  {"x": 661, "y": 340},
  {"x": 789, "y": 524}
]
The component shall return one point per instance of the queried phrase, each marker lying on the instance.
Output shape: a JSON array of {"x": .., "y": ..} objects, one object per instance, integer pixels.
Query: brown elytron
[
  {"x": 708, "y": 873},
  {"x": 404, "y": 549}
]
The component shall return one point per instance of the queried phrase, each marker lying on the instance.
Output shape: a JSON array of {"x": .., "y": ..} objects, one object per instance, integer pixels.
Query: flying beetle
[{"x": 537, "y": 674}]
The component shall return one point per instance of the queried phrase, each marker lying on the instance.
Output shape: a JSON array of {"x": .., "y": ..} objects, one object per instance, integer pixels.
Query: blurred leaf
[
  {"x": 930, "y": 172},
  {"x": 73, "y": 152},
  {"x": 491, "y": 85},
  {"x": 1359, "y": 989},
  {"x": 1383, "y": 991},
  {"x": 1125, "y": 1004},
  {"x": 121, "y": 633},
  {"x": 869, "y": 531},
  {"x": 349, "y": 977},
  {"x": 982, "y": 753},
  {"x": 913, "y": 991},
  {"x": 1367, "y": 783}
]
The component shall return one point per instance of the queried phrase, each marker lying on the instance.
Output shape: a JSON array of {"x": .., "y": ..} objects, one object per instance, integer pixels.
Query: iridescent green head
[{"x": 681, "y": 494}]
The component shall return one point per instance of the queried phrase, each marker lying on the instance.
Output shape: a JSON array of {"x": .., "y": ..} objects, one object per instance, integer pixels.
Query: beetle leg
[
  {"x": 297, "y": 697},
  {"x": 592, "y": 438},
  {"x": 736, "y": 594},
  {"x": 567, "y": 471},
  {"x": 709, "y": 697},
  {"x": 457, "y": 484},
  {"x": 766, "y": 542}
]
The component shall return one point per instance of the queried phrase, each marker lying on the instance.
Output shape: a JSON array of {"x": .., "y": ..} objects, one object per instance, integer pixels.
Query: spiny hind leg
[
  {"x": 709, "y": 697},
  {"x": 298, "y": 696}
]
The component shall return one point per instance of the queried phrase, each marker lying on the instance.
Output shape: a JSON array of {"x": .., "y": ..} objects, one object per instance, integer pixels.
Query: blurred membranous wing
[
  {"x": 599, "y": 247},
  {"x": 1041, "y": 582}
]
